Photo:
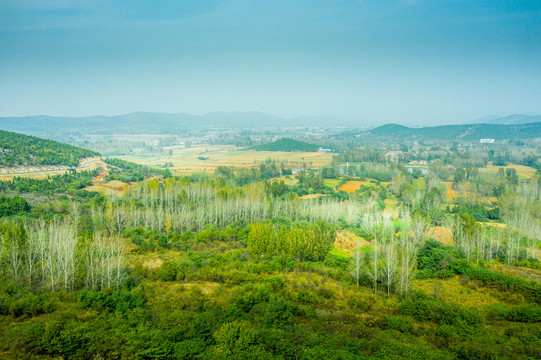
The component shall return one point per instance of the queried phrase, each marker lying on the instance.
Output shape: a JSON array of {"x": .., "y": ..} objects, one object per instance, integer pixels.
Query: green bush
[{"x": 401, "y": 323}]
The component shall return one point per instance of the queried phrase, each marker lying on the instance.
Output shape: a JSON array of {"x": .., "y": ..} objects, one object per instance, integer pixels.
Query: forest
[
  {"x": 19, "y": 149},
  {"x": 366, "y": 258}
]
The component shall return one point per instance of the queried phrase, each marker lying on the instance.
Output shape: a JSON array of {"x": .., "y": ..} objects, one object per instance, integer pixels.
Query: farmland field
[
  {"x": 524, "y": 172},
  {"x": 209, "y": 157},
  {"x": 353, "y": 185}
]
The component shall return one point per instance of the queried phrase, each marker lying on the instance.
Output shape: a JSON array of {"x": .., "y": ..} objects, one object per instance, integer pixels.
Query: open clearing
[
  {"x": 114, "y": 187},
  {"x": 209, "y": 157}
]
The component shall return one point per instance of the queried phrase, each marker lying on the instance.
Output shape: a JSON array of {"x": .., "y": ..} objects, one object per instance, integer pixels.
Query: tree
[
  {"x": 460, "y": 176},
  {"x": 357, "y": 263},
  {"x": 14, "y": 239}
]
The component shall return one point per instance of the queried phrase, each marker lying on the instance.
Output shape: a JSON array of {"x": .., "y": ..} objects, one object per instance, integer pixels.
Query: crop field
[
  {"x": 524, "y": 172},
  {"x": 353, "y": 185},
  {"x": 209, "y": 157}
]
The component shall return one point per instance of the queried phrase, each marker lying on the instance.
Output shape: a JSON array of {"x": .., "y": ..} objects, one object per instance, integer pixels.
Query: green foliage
[
  {"x": 287, "y": 145},
  {"x": 429, "y": 309},
  {"x": 523, "y": 313},
  {"x": 13, "y": 206},
  {"x": 19, "y": 149},
  {"x": 120, "y": 300},
  {"x": 401, "y": 323},
  {"x": 68, "y": 183},
  {"x": 479, "y": 212},
  {"x": 437, "y": 260},
  {"x": 310, "y": 242},
  {"x": 130, "y": 172}
]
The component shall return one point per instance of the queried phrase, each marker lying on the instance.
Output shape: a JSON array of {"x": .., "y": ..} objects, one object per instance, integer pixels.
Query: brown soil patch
[
  {"x": 115, "y": 187},
  {"x": 347, "y": 241}
]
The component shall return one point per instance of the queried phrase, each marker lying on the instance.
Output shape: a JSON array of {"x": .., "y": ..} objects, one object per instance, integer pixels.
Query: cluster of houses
[{"x": 420, "y": 162}]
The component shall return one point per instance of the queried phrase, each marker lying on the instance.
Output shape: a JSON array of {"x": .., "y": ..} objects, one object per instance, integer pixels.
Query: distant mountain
[
  {"x": 514, "y": 119},
  {"x": 18, "y": 149},
  {"x": 287, "y": 145},
  {"x": 148, "y": 122},
  {"x": 461, "y": 132}
]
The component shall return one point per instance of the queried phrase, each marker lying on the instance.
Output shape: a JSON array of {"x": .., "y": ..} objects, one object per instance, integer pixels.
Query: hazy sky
[{"x": 417, "y": 61}]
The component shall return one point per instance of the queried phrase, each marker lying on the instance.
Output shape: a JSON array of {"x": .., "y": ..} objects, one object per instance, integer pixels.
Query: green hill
[
  {"x": 287, "y": 145},
  {"x": 18, "y": 149},
  {"x": 462, "y": 132}
]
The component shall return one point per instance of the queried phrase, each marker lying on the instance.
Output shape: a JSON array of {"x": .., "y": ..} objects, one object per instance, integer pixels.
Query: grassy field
[
  {"x": 463, "y": 292},
  {"x": 332, "y": 183},
  {"x": 209, "y": 157},
  {"x": 524, "y": 172}
]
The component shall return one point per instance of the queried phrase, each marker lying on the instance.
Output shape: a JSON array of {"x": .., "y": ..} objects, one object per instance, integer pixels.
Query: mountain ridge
[{"x": 461, "y": 132}]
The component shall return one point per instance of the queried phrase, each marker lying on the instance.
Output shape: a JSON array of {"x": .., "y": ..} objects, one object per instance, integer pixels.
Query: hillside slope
[
  {"x": 287, "y": 145},
  {"x": 18, "y": 149},
  {"x": 461, "y": 132},
  {"x": 148, "y": 122}
]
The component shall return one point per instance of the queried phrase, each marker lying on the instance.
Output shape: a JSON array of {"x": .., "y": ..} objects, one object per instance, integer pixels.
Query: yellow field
[
  {"x": 209, "y": 157},
  {"x": 112, "y": 187},
  {"x": 524, "y": 172},
  {"x": 352, "y": 186}
]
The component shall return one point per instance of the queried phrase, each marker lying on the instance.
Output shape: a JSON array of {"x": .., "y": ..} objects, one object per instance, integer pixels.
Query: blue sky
[{"x": 412, "y": 62}]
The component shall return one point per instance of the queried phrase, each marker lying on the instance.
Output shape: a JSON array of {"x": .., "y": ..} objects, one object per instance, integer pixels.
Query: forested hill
[
  {"x": 287, "y": 145},
  {"x": 461, "y": 132},
  {"x": 18, "y": 149}
]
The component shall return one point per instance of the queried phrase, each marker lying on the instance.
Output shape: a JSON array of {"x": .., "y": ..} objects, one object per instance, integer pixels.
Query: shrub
[{"x": 400, "y": 323}]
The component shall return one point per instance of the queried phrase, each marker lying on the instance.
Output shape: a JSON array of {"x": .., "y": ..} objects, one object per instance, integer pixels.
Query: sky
[{"x": 414, "y": 62}]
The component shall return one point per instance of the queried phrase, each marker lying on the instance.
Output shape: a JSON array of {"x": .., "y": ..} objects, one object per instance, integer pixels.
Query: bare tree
[{"x": 357, "y": 263}]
